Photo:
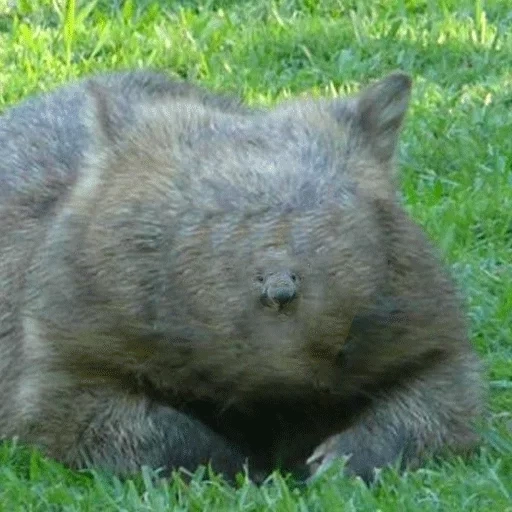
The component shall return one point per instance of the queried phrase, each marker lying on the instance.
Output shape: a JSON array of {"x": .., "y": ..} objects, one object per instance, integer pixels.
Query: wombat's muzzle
[{"x": 279, "y": 290}]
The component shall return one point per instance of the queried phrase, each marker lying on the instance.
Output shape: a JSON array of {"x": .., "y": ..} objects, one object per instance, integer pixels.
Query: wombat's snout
[{"x": 279, "y": 289}]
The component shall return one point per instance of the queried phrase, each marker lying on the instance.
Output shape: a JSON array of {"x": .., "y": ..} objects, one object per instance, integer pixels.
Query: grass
[{"x": 456, "y": 168}]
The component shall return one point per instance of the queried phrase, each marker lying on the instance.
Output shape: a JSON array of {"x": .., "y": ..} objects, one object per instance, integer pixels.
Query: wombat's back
[{"x": 43, "y": 140}]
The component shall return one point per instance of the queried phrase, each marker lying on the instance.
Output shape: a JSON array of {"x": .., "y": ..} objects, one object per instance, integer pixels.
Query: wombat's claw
[{"x": 322, "y": 458}]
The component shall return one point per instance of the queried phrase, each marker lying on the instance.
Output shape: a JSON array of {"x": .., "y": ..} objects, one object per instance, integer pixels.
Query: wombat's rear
[{"x": 186, "y": 281}]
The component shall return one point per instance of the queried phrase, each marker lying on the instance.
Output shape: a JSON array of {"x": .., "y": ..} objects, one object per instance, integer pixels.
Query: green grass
[{"x": 456, "y": 162}]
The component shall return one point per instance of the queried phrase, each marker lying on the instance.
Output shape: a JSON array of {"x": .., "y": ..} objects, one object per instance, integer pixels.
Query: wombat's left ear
[{"x": 379, "y": 110}]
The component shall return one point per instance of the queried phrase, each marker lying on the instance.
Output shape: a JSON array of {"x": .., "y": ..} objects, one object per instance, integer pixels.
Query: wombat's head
[{"x": 238, "y": 248}]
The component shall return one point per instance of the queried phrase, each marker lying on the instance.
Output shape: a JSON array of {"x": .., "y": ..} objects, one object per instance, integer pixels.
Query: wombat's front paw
[
  {"x": 324, "y": 455},
  {"x": 362, "y": 454}
]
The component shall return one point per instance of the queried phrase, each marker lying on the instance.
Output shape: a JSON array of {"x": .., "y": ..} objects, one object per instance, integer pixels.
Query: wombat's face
[{"x": 247, "y": 244}]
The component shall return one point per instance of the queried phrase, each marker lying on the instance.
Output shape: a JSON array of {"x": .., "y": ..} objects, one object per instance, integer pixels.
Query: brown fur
[{"x": 199, "y": 282}]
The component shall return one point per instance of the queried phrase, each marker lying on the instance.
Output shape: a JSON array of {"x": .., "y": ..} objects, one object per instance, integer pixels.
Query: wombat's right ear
[
  {"x": 101, "y": 115},
  {"x": 99, "y": 118}
]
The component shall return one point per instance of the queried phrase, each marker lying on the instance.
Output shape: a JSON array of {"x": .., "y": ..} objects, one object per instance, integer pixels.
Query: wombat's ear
[
  {"x": 101, "y": 116},
  {"x": 379, "y": 111}
]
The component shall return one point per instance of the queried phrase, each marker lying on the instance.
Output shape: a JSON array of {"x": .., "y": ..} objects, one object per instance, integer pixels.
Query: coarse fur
[{"x": 188, "y": 281}]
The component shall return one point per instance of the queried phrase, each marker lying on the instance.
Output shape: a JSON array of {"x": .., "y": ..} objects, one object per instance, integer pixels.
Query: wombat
[{"x": 186, "y": 280}]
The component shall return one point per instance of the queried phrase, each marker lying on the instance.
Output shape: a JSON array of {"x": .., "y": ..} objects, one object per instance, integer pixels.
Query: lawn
[{"x": 456, "y": 177}]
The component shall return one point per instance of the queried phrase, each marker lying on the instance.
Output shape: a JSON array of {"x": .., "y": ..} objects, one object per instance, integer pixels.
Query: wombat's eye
[
  {"x": 293, "y": 277},
  {"x": 260, "y": 278}
]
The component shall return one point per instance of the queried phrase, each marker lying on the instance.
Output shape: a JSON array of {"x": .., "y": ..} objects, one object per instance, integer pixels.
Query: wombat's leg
[
  {"x": 429, "y": 415},
  {"x": 123, "y": 433}
]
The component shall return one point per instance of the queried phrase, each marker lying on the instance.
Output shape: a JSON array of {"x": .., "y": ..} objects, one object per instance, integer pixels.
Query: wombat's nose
[
  {"x": 281, "y": 295},
  {"x": 279, "y": 290}
]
